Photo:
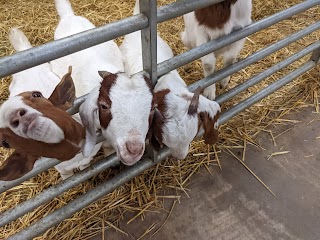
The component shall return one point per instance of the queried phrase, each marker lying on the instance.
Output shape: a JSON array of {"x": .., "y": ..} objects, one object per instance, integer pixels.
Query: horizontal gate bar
[
  {"x": 263, "y": 75},
  {"x": 197, "y": 52},
  {"x": 181, "y": 7},
  {"x": 264, "y": 92},
  {"x": 65, "y": 46},
  {"x": 221, "y": 74},
  {"x": 217, "y": 76},
  {"x": 130, "y": 172}
]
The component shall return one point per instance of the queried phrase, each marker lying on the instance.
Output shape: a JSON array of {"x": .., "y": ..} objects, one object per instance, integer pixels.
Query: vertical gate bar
[
  {"x": 149, "y": 39},
  {"x": 149, "y": 49}
]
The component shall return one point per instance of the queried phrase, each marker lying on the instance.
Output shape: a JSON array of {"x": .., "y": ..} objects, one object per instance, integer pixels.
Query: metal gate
[{"x": 147, "y": 21}]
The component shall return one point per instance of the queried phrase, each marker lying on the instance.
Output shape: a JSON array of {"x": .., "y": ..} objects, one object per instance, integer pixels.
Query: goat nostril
[
  {"x": 15, "y": 123},
  {"x": 134, "y": 148},
  {"x": 22, "y": 112}
]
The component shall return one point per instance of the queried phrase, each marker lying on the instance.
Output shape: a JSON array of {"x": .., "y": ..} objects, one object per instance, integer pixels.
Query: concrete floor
[{"x": 232, "y": 204}]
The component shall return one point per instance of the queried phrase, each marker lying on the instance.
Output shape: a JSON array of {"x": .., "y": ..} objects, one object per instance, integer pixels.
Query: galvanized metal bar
[
  {"x": 43, "y": 53},
  {"x": 149, "y": 39},
  {"x": 54, "y": 191},
  {"x": 182, "y": 7},
  {"x": 221, "y": 74},
  {"x": 65, "y": 46},
  {"x": 263, "y": 75},
  {"x": 264, "y": 92},
  {"x": 84, "y": 200},
  {"x": 149, "y": 48},
  {"x": 221, "y": 42}
]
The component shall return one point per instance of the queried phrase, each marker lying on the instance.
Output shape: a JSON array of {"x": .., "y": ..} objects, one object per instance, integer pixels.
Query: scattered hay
[{"x": 38, "y": 20}]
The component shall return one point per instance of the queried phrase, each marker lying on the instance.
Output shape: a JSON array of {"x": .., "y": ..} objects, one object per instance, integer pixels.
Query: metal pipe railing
[
  {"x": 264, "y": 92},
  {"x": 65, "y": 46},
  {"x": 129, "y": 173},
  {"x": 221, "y": 74},
  {"x": 263, "y": 75},
  {"x": 52, "y": 192},
  {"x": 198, "y": 52},
  {"x": 217, "y": 76},
  {"x": 94, "y": 194}
]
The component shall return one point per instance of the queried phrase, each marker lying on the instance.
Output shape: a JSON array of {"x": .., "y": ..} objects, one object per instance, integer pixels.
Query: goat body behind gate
[{"x": 204, "y": 25}]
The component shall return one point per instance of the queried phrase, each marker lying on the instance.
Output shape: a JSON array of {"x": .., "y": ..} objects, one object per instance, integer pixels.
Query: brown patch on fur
[
  {"x": 104, "y": 101},
  {"x": 64, "y": 93},
  {"x": 158, "y": 119},
  {"x": 216, "y": 15},
  {"x": 16, "y": 166},
  {"x": 210, "y": 133},
  {"x": 193, "y": 108},
  {"x": 27, "y": 151}
]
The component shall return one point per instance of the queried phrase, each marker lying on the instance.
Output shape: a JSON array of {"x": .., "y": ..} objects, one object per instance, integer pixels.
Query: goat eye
[
  {"x": 104, "y": 106},
  {"x": 37, "y": 95},
  {"x": 5, "y": 144}
]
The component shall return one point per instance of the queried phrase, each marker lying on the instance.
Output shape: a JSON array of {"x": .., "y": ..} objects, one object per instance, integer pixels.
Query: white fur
[
  {"x": 180, "y": 128},
  {"x": 85, "y": 66},
  {"x": 196, "y": 35}
]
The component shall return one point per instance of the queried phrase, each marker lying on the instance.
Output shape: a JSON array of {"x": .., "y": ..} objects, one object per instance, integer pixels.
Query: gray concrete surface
[{"x": 232, "y": 204}]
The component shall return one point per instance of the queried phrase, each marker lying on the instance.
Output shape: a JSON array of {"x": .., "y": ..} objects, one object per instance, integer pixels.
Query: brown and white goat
[
  {"x": 179, "y": 113},
  {"x": 210, "y": 23}
]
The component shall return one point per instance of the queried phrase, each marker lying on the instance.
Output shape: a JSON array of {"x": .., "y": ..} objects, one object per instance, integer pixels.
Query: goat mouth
[
  {"x": 130, "y": 160},
  {"x": 29, "y": 123}
]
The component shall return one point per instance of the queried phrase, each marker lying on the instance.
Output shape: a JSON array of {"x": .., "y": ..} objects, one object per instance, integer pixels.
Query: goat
[
  {"x": 86, "y": 64},
  {"x": 33, "y": 120},
  {"x": 210, "y": 23},
  {"x": 178, "y": 115},
  {"x": 122, "y": 107}
]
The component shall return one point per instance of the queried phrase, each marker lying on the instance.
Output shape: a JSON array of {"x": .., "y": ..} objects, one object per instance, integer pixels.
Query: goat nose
[
  {"x": 134, "y": 147},
  {"x": 17, "y": 117}
]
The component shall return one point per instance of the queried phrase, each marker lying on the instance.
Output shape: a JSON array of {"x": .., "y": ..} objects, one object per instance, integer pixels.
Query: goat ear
[
  {"x": 16, "y": 166},
  {"x": 87, "y": 112},
  {"x": 210, "y": 131},
  {"x": 103, "y": 74},
  {"x": 156, "y": 130},
  {"x": 64, "y": 94}
]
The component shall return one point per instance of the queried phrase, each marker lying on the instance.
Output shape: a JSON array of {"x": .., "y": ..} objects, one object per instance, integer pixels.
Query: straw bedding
[{"x": 38, "y": 20}]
